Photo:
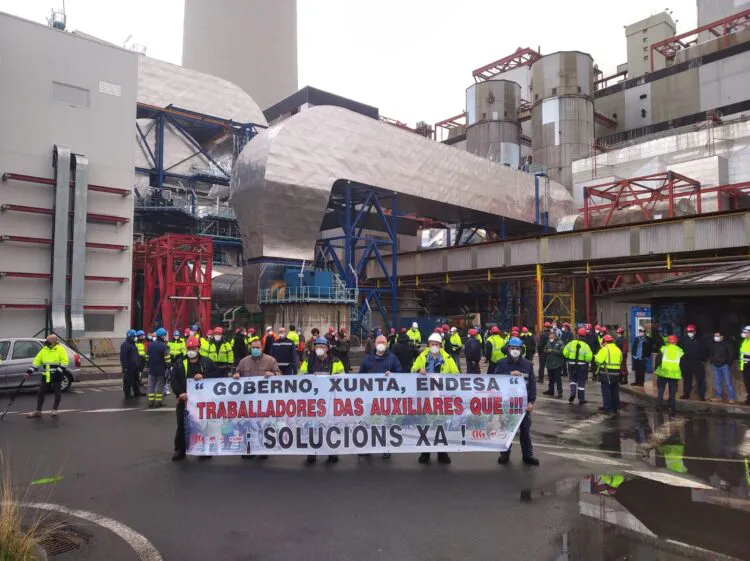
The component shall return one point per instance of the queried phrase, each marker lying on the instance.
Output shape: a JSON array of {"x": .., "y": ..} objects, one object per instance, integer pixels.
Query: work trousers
[
  {"x": 723, "y": 375},
  {"x": 624, "y": 369},
  {"x": 746, "y": 379},
  {"x": 639, "y": 365},
  {"x": 44, "y": 387},
  {"x": 693, "y": 369},
  {"x": 287, "y": 370},
  {"x": 542, "y": 364},
  {"x": 491, "y": 368},
  {"x": 180, "y": 437},
  {"x": 610, "y": 390},
  {"x": 472, "y": 367},
  {"x": 524, "y": 435},
  {"x": 130, "y": 384},
  {"x": 155, "y": 387},
  {"x": 661, "y": 383},
  {"x": 555, "y": 379},
  {"x": 578, "y": 374}
]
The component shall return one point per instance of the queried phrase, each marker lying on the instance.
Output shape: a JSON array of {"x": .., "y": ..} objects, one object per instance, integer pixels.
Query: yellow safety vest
[
  {"x": 744, "y": 353},
  {"x": 250, "y": 338},
  {"x": 336, "y": 367},
  {"x": 141, "y": 346},
  {"x": 50, "y": 356},
  {"x": 673, "y": 455},
  {"x": 449, "y": 365},
  {"x": 225, "y": 354},
  {"x": 203, "y": 350},
  {"x": 294, "y": 337},
  {"x": 177, "y": 348},
  {"x": 497, "y": 343},
  {"x": 456, "y": 341},
  {"x": 414, "y": 336},
  {"x": 610, "y": 357},
  {"x": 585, "y": 355},
  {"x": 670, "y": 362}
]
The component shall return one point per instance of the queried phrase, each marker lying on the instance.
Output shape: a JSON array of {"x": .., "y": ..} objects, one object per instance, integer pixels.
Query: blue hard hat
[
  {"x": 130, "y": 333},
  {"x": 515, "y": 342},
  {"x": 321, "y": 341},
  {"x": 195, "y": 327},
  {"x": 176, "y": 333},
  {"x": 161, "y": 332},
  {"x": 140, "y": 332}
]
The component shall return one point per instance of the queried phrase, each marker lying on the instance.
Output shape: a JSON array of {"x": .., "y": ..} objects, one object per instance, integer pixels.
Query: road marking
[
  {"x": 111, "y": 410},
  {"x": 157, "y": 409},
  {"x": 142, "y": 547},
  {"x": 97, "y": 390},
  {"x": 744, "y": 448},
  {"x": 581, "y": 425},
  {"x": 76, "y": 391}
]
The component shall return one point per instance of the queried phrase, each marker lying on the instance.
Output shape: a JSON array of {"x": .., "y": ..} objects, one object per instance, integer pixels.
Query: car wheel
[{"x": 66, "y": 382}]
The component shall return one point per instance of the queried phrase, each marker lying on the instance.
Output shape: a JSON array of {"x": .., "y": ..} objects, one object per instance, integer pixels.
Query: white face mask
[
  {"x": 717, "y": 339},
  {"x": 380, "y": 348},
  {"x": 217, "y": 338},
  {"x": 192, "y": 354},
  {"x": 745, "y": 335},
  {"x": 564, "y": 328},
  {"x": 320, "y": 352},
  {"x": 640, "y": 334},
  {"x": 691, "y": 334},
  {"x": 434, "y": 349},
  {"x": 515, "y": 353}
]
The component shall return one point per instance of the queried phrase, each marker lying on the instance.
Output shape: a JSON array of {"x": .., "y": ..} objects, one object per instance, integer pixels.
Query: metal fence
[{"x": 305, "y": 294}]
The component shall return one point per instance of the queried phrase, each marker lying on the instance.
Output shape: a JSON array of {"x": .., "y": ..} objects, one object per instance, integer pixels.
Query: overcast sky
[{"x": 410, "y": 58}]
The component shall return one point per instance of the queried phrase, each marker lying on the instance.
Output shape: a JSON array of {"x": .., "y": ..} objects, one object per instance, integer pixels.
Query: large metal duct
[
  {"x": 78, "y": 259},
  {"x": 59, "y": 289},
  {"x": 494, "y": 131},
  {"x": 562, "y": 115},
  {"x": 627, "y": 215},
  {"x": 226, "y": 291},
  {"x": 283, "y": 178}
]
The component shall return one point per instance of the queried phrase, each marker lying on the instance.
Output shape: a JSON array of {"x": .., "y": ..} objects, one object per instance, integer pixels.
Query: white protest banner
[{"x": 354, "y": 414}]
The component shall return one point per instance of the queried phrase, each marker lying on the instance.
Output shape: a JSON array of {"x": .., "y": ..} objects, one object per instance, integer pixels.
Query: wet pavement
[{"x": 641, "y": 486}]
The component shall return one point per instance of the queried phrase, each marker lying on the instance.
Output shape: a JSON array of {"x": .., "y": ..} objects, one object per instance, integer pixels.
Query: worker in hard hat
[
  {"x": 177, "y": 348},
  {"x": 140, "y": 345},
  {"x": 414, "y": 335},
  {"x": 608, "y": 361},
  {"x": 694, "y": 364},
  {"x": 592, "y": 337},
  {"x": 284, "y": 351},
  {"x": 267, "y": 340},
  {"x": 239, "y": 347},
  {"x": 473, "y": 353},
  {"x": 454, "y": 344},
  {"x": 494, "y": 348},
  {"x": 158, "y": 359},
  {"x": 668, "y": 372},
  {"x": 51, "y": 360},
  {"x": 434, "y": 360},
  {"x": 554, "y": 362},
  {"x": 516, "y": 365},
  {"x": 193, "y": 366},
  {"x": 578, "y": 355},
  {"x": 745, "y": 361},
  {"x": 130, "y": 362},
  {"x": 221, "y": 351}
]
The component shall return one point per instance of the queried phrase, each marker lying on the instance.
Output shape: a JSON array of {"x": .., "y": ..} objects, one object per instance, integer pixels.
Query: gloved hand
[
  {"x": 60, "y": 369},
  {"x": 28, "y": 373}
]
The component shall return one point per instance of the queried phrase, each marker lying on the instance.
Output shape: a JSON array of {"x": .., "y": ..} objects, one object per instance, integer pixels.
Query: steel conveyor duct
[
  {"x": 78, "y": 255},
  {"x": 61, "y": 163}
]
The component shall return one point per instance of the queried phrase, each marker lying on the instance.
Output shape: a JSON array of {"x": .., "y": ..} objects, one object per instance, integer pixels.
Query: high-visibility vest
[
  {"x": 49, "y": 357},
  {"x": 203, "y": 350},
  {"x": 456, "y": 341},
  {"x": 141, "y": 346},
  {"x": 448, "y": 367},
  {"x": 744, "y": 353},
  {"x": 225, "y": 353},
  {"x": 673, "y": 455},
  {"x": 293, "y": 336},
  {"x": 614, "y": 480},
  {"x": 335, "y": 367},
  {"x": 250, "y": 338},
  {"x": 414, "y": 336},
  {"x": 177, "y": 348},
  {"x": 497, "y": 344},
  {"x": 610, "y": 357},
  {"x": 478, "y": 337},
  {"x": 580, "y": 348},
  {"x": 670, "y": 362}
]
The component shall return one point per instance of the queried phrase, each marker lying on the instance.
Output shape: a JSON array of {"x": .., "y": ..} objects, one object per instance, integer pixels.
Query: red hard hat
[
  {"x": 588, "y": 326},
  {"x": 342, "y": 329},
  {"x": 514, "y": 331},
  {"x": 403, "y": 330},
  {"x": 608, "y": 339},
  {"x": 547, "y": 324},
  {"x": 566, "y": 324},
  {"x": 210, "y": 332},
  {"x": 192, "y": 343},
  {"x": 495, "y": 329},
  {"x": 446, "y": 327},
  {"x": 238, "y": 330},
  {"x": 690, "y": 327},
  {"x": 472, "y": 332},
  {"x": 620, "y": 330},
  {"x": 596, "y": 325},
  {"x": 602, "y": 329},
  {"x": 218, "y": 330},
  {"x": 582, "y": 332},
  {"x": 331, "y": 330},
  {"x": 672, "y": 339},
  {"x": 524, "y": 329},
  {"x": 187, "y": 333},
  {"x": 251, "y": 331},
  {"x": 392, "y": 330}
]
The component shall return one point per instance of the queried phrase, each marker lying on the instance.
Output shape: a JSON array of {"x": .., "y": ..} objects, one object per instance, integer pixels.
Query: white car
[{"x": 16, "y": 356}]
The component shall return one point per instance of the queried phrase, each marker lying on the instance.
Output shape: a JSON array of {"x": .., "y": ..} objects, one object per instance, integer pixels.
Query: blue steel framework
[{"x": 351, "y": 203}]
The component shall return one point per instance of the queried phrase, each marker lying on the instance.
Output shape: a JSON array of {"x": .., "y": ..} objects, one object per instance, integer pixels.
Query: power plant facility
[{"x": 137, "y": 193}]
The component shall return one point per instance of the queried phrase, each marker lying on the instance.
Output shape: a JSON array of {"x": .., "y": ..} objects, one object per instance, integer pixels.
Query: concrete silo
[
  {"x": 562, "y": 115},
  {"x": 494, "y": 131}
]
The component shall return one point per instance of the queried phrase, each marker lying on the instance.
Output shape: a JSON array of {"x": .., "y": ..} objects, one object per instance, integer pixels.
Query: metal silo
[
  {"x": 493, "y": 130},
  {"x": 562, "y": 115}
]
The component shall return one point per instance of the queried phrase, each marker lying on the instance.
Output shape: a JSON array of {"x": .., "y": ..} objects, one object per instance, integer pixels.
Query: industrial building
[{"x": 215, "y": 193}]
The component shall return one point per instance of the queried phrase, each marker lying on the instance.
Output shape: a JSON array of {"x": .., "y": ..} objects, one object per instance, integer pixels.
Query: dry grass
[{"x": 19, "y": 532}]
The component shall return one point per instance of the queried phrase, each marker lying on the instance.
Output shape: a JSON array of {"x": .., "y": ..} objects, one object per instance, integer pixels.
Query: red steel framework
[
  {"x": 177, "y": 282},
  {"x": 673, "y": 45},
  {"x": 445, "y": 126},
  {"x": 522, "y": 57},
  {"x": 645, "y": 192}
]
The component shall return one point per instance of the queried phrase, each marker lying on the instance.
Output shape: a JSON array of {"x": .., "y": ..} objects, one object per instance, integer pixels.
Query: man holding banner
[{"x": 516, "y": 365}]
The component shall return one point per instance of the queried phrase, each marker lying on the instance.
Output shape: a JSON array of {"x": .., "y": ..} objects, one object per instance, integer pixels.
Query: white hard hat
[
  {"x": 453, "y": 329},
  {"x": 415, "y": 325},
  {"x": 435, "y": 338},
  {"x": 746, "y": 329},
  {"x": 269, "y": 328}
]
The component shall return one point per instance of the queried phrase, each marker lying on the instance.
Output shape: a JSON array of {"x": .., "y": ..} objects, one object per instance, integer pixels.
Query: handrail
[{"x": 307, "y": 294}]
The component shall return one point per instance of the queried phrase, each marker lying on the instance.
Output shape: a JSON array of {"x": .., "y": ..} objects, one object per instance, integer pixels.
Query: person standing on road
[
  {"x": 592, "y": 338},
  {"x": 554, "y": 362},
  {"x": 196, "y": 367},
  {"x": 642, "y": 349},
  {"x": 268, "y": 340},
  {"x": 158, "y": 358},
  {"x": 608, "y": 362},
  {"x": 668, "y": 373},
  {"x": 404, "y": 351},
  {"x": 140, "y": 344},
  {"x": 542, "y": 344},
  {"x": 494, "y": 348},
  {"x": 578, "y": 355},
  {"x": 529, "y": 343},
  {"x": 176, "y": 346},
  {"x": 221, "y": 351},
  {"x": 285, "y": 352},
  {"x": 392, "y": 338},
  {"x": 53, "y": 359},
  {"x": 721, "y": 358},
  {"x": 292, "y": 335},
  {"x": 622, "y": 343},
  {"x": 473, "y": 352},
  {"x": 434, "y": 360},
  {"x": 130, "y": 363},
  {"x": 341, "y": 347},
  {"x": 694, "y": 364},
  {"x": 745, "y": 360},
  {"x": 517, "y": 365}
]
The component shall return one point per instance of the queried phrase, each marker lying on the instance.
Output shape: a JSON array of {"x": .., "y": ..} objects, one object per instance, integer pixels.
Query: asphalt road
[{"x": 114, "y": 461}]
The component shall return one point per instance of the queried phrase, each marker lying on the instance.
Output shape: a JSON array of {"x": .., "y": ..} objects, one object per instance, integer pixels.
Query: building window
[
  {"x": 645, "y": 49},
  {"x": 554, "y": 91},
  {"x": 99, "y": 323},
  {"x": 645, "y": 39},
  {"x": 644, "y": 96},
  {"x": 70, "y": 95},
  {"x": 645, "y": 58}
]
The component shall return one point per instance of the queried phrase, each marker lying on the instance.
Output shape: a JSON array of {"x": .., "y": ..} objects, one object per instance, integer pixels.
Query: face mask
[
  {"x": 192, "y": 333},
  {"x": 596, "y": 331},
  {"x": 380, "y": 348},
  {"x": 745, "y": 335},
  {"x": 217, "y": 338},
  {"x": 320, "y": 352},
  {"x": 691, "y": 334},
  {"x": 588, "y": 332},
  {"x": 282, "y": 335},
  {"x": 551, "y": 339},
  {"x": 717, "y": 339},
  {"x": 50, "y": 344},
  {"x": 564, "y": 329},
  {"x": 255, "y": 352},
  {"x": 515, "y": 353},
  {"x": 177, "y": 338},
  {"x": 192, "y": 354},
  {"x": 640, "y": 334},
  {"x": 434, "y": 349}
]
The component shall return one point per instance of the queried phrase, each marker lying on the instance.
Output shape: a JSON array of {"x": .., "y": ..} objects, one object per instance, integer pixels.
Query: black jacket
[
  {"x": 405, "y": 352},
  {"x": 285, "y": 352},
  {"x": 525, "y": 367},
  {"x": 530, "y": 344},
  {"x": 722, "y": 353},
  {"x": 592, "y": 341},
  {"x": 178, "y": 380},
  {"x": 129, "y": 355},
  {"x": 648, "y": 348},
  {"x": 239, "y": 347},
  {"x": 157, "y": 353},
  {"x": 695, "y": 349},
  {"x": 473, "y": 349},
  {"x": 543, "y": 340}
]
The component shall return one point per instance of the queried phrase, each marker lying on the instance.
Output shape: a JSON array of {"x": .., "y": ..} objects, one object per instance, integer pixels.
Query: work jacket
[
  {"x": 414, "y": 336},
  {"x": 177, "y": 349},
  {"x": 669, "y": 366},
  {"x": 379, "y": 364},
  {"x": 50, "y": 357},
  {"x": 128, "y": 356},
  {"x": 184, "y": 368},
  {"x": 609, "y": 359},
  {"x": 525, "y": 367},
  {"x": 578, "y": 353},
  {"x": 330, "y": 365},
  {"x": 158, "y": 358},
  {"x": 447, "y": 364},
  {"x": 495, "y": 344},
  {"x": 454, "y": 344},
  {"x": 554, "y": 353},
  {"x": 744, "y": 353}
]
